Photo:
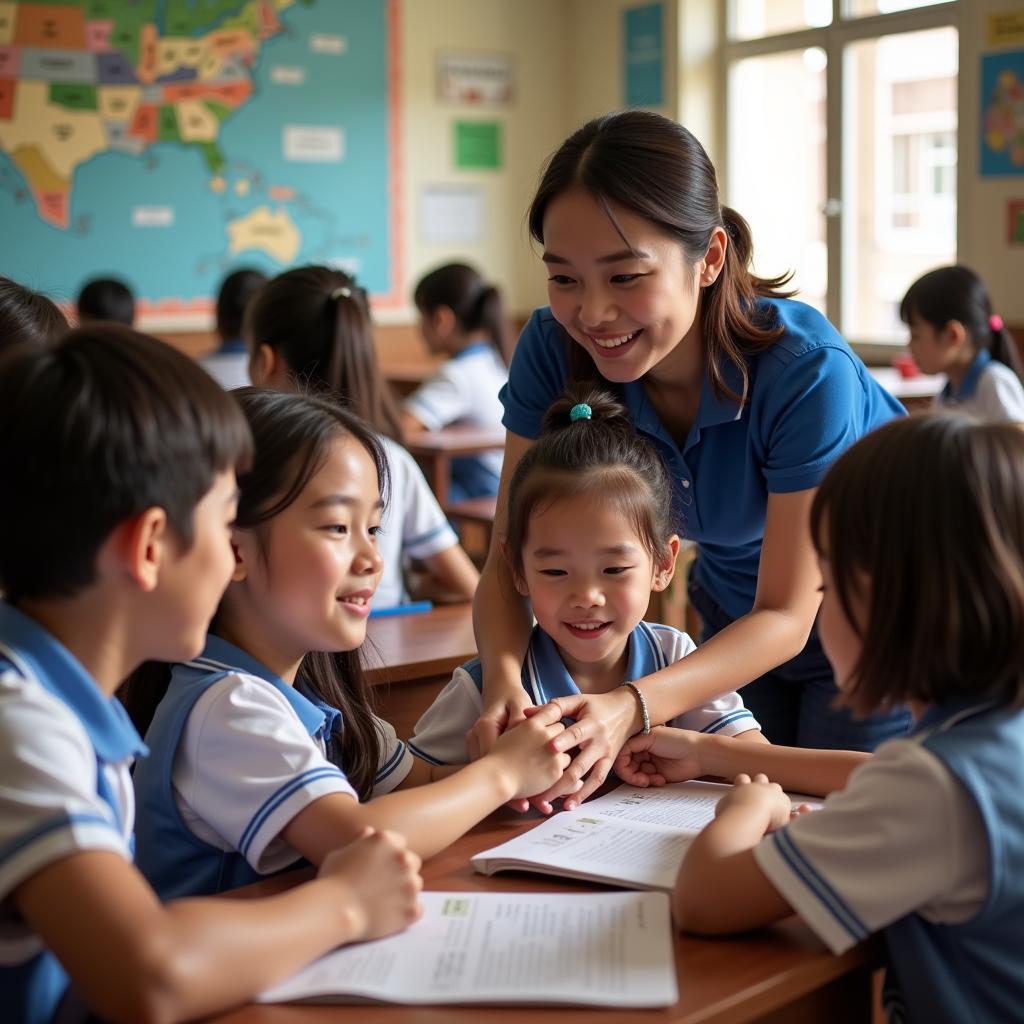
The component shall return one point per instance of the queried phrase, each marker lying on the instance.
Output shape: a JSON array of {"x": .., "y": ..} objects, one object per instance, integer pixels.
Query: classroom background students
[
  {"x": 462, "y": 317},
  {"x": 121, "y": 553},
  {"x": 228, "y": 364},
  {"x": 106, "y": 298},
  {"x": 748, "y": 397},
  {"x": 310, "y": 328},
  {"x": 954, "y": 330}
]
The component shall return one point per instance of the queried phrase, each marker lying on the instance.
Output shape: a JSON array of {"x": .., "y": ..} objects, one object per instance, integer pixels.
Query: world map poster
[{"x": 167, "y": 142}]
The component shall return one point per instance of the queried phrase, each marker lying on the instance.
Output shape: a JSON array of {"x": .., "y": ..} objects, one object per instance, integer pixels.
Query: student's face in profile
[
  {"x": 933, "y": 350},
  {"x": 193, "y": 581},
  {"x": 839, "y": 637},
  {"x": 628, "y": 309},
  {"x": 311, "y": 584},
  {"x": 588, "y": 577}
]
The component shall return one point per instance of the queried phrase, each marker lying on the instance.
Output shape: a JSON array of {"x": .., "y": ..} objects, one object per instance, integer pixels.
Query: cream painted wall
[{"x": 534, "y": 33}]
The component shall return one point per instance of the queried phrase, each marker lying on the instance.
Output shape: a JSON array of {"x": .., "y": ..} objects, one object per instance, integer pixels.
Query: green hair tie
[{"x": 580, "y": 412}]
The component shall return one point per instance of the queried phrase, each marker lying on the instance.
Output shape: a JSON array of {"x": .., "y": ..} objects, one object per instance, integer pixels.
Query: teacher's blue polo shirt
[{"x": 809, "y": 399}]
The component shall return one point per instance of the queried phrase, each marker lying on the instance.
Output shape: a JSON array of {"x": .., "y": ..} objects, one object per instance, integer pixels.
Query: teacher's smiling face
[{"x": 628, "y": 303}]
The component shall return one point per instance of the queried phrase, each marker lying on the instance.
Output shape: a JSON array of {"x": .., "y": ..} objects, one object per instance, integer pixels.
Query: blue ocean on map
[{"x": 340, "y": 209}]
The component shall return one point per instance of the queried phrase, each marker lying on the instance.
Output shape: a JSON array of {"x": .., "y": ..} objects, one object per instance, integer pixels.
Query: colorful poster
[
  {"x": 480, "y": 79},
  {"x": 643, "y": 56},
  {"x": 1015, "y": 222},
  {"x": 477, "y": 145},
  {"x": 1005, "y": 28},
  {"x": 1002, "y": 114},
  {"x": 166, "y": 142}
]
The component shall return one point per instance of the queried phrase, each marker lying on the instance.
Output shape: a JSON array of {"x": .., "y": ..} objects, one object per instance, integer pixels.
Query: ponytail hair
[
  {"x": 293, "y": 435},
  {"x": 477, "y": 306},
  {"x": 318, "y": 320},
  {"x": 655, "y": 168},
  {"x": 958, "y": 293},
  {"x": 602, "y": 456}
]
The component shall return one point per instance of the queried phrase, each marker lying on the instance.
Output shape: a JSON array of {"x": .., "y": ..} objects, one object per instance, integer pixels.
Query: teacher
[{"x": 748, "y": 395}]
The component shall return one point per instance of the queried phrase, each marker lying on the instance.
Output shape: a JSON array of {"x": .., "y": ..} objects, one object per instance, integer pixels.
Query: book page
[
  {"x": 686, "y": 806},
  {"x": 597, "y": 949}
]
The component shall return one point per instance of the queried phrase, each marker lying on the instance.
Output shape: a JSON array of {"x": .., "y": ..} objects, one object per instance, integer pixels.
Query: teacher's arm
[
  {"x": 775, "y": 630},
  {"x": 501, "y": 621}
]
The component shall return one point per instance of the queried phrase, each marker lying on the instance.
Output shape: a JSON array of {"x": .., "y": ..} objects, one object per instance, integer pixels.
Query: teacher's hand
[
  {"x": 604, "y": 721},
  {"x": 505, "y": 712}
]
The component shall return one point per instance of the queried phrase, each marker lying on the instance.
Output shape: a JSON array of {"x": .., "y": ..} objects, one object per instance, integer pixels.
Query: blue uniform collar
[
  {"x": 545, "y": 676},
  {"x": 41, "y": 655},
  {"x": 232, "y": 347},
  {"x": 970, "y": 382},
  {"x": 939, "y": 717},
  {"x": 472, "y": 349},
  {"x": 316, "y": 716}
]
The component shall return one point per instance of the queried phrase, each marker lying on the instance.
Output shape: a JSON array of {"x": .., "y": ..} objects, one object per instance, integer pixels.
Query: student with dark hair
[
  {"x": 919, "y": 531},
  {"x": 106, "y": 298},
  {"x": 122, "y": 454},
  {"x": 265, "y": 748},
  {"x": 589, "y": 587},
  {"x": 27, "y": 316},
  {"x": 748, "y": 397},
  {"x": 954, "y": 330},
  {"x": 311, "y": 328},
  {"x": 463, "y": 318},
  {"x": 228, "y": 365}
]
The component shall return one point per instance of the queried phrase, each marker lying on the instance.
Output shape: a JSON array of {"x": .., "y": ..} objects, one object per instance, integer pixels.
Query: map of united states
[{"x": 121, "y": 75}]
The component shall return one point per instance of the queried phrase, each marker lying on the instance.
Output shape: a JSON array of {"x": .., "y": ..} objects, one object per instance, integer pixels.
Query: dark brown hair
[
  {"x": 476, "y": 304},
  {"x": 318, "y": 320},
  {"x": 26, "y": 315},
  {"x": 232, "y": 297},
  {"x": 106, "y": 298},
  {"x": 930, "y": 512},
  {"x": 602, "y": 456},
  {"x": 657, "y": 169},
  {"x": 957, "y": 293},
  {"x": 95, "y": 429},
  {"x": 293, "y": 435}
]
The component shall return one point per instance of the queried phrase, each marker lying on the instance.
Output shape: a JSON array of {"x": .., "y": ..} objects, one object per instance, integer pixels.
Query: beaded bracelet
[{"x": 645, "y": 716}]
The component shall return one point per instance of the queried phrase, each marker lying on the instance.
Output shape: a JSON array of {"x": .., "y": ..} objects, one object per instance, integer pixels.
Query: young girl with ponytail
[{"x": 747, "y": 395}]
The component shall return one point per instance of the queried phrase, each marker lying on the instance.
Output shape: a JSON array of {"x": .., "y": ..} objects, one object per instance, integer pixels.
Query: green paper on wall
[{"x": 477, "y": 144}]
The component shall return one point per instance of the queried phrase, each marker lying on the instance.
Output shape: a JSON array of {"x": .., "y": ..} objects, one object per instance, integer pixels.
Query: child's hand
[
  {"x": 663, "y": 755},
  {"x": 757, "y": 796},
  {"x": 381, "y": 881},
  {"x": 497, "y": 718},
  {"x": 526, "y": 752}
]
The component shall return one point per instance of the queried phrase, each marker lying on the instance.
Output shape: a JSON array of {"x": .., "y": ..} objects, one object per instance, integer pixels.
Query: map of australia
[{"x": 243, "y": 123}]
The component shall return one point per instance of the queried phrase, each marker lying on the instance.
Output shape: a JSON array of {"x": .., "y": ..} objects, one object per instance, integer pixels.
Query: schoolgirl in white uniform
[
  {"x": 462, "y": 317},
  {"x": 954, "y": 331},
  {"x": 919, "y": 529},
  {"x": 310, "y": 329},
  {"x": 589, "y": 540},
  {"x": 263, "y": 748}
]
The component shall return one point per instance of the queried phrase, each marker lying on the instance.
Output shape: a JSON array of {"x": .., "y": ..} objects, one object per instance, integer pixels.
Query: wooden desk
[
  {"x": 474, "y": 519},
  {"x": 407, "y": 375},
  {"x": 435, "y": 449},
  {"x": 913, "y": 392},
  {"x": 415, "y": 656},
  {"x": 781, "y": 975}
]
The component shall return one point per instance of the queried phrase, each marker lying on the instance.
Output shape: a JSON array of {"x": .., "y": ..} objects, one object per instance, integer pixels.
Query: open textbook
[
  {"x": 576, "y": 949},
  {"x": 635, "y": 838}
]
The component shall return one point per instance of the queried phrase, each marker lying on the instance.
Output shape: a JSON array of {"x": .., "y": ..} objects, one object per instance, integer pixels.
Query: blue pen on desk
[{"x": 413, "y": 608}]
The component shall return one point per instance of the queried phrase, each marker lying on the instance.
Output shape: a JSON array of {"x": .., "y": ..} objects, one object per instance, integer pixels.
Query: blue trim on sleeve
[
  {"x": 279, "y": 797},
  {"x": 411, "y": 542},
  {"x": 734, "y": 716},
  {"x": 826, "y": 895},
  {"x": 424, "y": 756},
  {"x": 61, "y": 821},
  {"x": 391, "y": 764}
]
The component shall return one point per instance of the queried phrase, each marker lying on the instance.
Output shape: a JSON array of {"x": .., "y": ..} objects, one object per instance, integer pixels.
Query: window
[{"x": 841, "y": 148}]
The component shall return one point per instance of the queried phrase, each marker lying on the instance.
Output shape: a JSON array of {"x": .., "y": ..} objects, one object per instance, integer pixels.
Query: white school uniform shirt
[
  {"x": 903, "y": 836},
  {"x": 990, "y": 392},
  {"x": 465, "y": 389},
  {"x": 229, "y": 365},
  {"x": 440, "y": 734},
  {"x": 65, "y": 787},
  {"x": 413, "y": 525},
  {"x": 245, "y": 749}
]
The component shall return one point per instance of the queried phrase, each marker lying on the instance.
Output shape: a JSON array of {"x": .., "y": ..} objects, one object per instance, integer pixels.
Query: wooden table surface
[
  {"x": 435, "y": 449},
  {"x": 781, "y": 975},
  {"x": 420, "y": 645}
]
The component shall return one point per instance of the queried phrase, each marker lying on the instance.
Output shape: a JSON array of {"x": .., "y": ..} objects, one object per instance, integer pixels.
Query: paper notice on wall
[
  {"x": 313, "y": 144},
  {"x": 451, "y": 213}
]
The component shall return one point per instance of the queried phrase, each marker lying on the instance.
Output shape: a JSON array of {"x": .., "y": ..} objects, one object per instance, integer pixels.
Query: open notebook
[
  {"x": 633, "y": 838},
  {"x": 540, "y": 949}
]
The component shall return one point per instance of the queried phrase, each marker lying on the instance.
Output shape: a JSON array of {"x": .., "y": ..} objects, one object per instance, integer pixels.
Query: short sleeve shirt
[
  {"x": 413, "y": 525},
  {"x": 903, "y": 836},
  {"x": 809, "y": 399},
  {"x": 440, "y": 734},
  {"x": 248, "y": 763},
  {"x": 990, "y": 391}
]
